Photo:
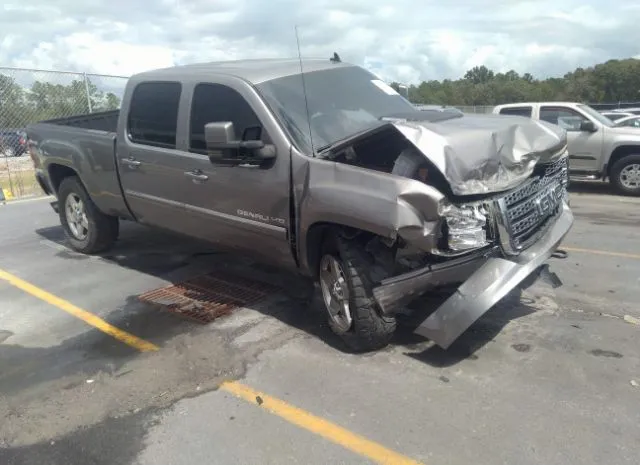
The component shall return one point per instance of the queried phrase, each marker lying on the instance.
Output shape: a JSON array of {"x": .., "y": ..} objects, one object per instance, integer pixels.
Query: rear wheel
[
  {"x": 346, "y": 289},
  {"x": 625, "y": 175},
  {"x": 87, "y": 229}
]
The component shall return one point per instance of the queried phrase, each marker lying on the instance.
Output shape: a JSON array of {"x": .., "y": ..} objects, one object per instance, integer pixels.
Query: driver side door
[
  {"x": 243, "y": 207},
  {"x": 585, "y": 147}
]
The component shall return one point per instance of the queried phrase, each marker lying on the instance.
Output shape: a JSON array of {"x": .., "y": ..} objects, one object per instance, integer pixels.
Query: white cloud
[{"x": 405, "y": 40}]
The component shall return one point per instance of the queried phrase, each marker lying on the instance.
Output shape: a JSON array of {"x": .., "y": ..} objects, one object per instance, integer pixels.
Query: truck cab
[{"x": 598, "y": 149}]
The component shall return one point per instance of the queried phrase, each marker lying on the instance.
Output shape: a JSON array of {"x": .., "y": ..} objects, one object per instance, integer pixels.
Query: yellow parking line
[
  {"x": 84, "y": 315},
  {"x": 319, "y": 426},
  {"x": 602, "y": 252}
]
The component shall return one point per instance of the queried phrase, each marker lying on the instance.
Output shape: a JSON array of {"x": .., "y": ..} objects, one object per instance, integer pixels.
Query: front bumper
[{"x": 487, "y": 279}]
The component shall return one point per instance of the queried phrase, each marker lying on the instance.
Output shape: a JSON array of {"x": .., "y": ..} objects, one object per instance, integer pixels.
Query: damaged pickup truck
[{"x": 330, "y": 173}]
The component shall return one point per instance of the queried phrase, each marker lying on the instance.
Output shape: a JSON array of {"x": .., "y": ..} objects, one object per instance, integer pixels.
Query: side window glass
[
  {"x": 564, "y": 117},
  {"x": 217, "y": 103},
  {"x": 517, "y": 111},
  {"x": 153, "y": 116}
]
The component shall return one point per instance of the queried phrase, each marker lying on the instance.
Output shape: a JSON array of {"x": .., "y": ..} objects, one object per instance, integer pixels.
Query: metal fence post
[{"x": 86, "y": 88}]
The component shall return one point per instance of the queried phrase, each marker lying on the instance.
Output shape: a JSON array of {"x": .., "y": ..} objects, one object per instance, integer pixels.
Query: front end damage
[
  {"x": 501, "y": 210},
  {"x": 486, "y": 277}
]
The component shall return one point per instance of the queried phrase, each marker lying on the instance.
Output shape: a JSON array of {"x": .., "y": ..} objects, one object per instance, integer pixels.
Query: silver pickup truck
[
  {"x": 598, "y": 149},
  {"x": 330, "y": 173}
]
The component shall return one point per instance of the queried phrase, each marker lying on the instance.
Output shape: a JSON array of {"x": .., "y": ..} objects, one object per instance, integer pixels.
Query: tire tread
[
  {"x": 371, "y": 330},
  {"x": 105, "y": 228},
  {"x": 615, "y": 172}
]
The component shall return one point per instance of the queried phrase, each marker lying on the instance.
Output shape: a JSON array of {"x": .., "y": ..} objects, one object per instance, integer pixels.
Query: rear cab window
[
  {"x": 525, "y": 111},
  {"x": 153, "y": 115}
]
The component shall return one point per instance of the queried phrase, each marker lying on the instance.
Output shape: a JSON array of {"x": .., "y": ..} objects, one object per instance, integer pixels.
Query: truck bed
[
  {"x": 101, "y": 121},
  {"x": 86, "y": 145}
]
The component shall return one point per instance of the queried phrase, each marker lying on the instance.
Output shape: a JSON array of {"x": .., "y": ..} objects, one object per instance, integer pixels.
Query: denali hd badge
[{"x": 261, "y": 217}]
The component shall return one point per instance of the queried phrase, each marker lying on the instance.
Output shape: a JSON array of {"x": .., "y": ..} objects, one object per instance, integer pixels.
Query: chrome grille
[{"x": 525, "y": 211}]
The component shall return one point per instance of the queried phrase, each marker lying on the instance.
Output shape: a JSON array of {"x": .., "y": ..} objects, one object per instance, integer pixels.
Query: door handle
[
  {"x": 196, "y": 175},
  {"x": 132, "y": 162}
]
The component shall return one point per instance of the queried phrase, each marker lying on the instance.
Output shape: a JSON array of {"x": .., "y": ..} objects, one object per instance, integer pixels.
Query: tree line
[
  {"x": 609, "y": 82},
  {"x": 20, "y": 106}
]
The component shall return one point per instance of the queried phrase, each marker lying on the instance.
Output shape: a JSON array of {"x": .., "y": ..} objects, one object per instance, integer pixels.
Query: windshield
[
  {"x": 342, "y": 102},
  {"x": 596, "y": 115}
]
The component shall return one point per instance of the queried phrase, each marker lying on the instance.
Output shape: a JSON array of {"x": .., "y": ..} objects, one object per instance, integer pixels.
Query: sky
[{"x": 406, "y": 41}]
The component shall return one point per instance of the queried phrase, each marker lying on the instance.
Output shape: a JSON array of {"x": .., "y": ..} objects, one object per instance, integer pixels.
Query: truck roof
[{"x": 253, "y": 71}]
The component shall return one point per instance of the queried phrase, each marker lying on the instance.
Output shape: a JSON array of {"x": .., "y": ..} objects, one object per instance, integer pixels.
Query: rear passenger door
[
  {"x": 241, "y": 207},
  {"x": 148, "y": 156}
]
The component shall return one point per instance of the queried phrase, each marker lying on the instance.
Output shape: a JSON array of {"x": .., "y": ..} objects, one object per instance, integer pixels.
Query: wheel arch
[
  {"x": 58, "y": 172},
  {"x": 319, "y": 232},
  {"x": 619, "y": 153}
]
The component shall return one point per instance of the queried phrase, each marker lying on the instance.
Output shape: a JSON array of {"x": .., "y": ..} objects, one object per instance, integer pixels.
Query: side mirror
[
  {"x": 222, "y": 144},
  {"x": 588, "y": 126}
]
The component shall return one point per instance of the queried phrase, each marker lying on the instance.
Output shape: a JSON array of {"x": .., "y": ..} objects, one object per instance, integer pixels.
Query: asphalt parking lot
[{"x": 91, "y": 375}]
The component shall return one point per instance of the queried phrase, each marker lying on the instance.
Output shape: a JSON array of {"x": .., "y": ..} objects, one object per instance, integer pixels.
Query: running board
[{"x": 585, "y": 177}]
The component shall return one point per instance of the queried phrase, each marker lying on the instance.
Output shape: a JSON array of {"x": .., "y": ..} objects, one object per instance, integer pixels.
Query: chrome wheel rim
[
  {"x": 76, "y": 217},
  {"x": 335, "y": 293},
  {"x": 630, "y": 176}
]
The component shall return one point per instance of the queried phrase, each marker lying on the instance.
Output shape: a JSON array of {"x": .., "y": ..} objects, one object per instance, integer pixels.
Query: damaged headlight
[{"x": 466, "y": 226}]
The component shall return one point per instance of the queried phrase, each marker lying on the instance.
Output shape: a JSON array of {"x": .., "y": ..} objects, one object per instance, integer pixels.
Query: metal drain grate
[{"x": 207, "y": 297}]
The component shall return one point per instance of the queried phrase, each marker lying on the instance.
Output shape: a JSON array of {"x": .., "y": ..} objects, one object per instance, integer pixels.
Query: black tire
[
  {"x": 616, "y": 171},
  {"x": 370, "y": 330},
  {"x": 103, "y": 229}
]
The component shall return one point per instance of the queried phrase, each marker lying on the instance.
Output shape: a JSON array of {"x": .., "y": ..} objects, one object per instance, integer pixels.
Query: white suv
[{"x": 597, "y": 148}]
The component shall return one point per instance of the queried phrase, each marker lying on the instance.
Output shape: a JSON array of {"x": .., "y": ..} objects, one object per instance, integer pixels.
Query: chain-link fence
[
  {"x": 475, "y": 108},
  {"x": 31, "y": 95}
]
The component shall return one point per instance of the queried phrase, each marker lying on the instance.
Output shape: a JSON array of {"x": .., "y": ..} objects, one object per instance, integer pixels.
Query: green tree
[
  {"x": 479, "y": 75},
  {"x": 611, "y": 82},
  {"x": 55, "y": 100},
  {"x": 20, "y": 106},
  {"x": 13, "y": 109}
]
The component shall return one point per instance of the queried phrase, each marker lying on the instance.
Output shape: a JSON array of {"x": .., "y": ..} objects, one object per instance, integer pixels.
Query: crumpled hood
[{"x": 485, "y": 153}]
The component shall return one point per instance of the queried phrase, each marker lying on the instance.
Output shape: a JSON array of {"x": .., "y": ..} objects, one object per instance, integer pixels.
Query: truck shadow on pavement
[
  {"x": 483, "y": 331},
  {"x": 173, "y": 258},
  {"x": 591, "y": 187}
]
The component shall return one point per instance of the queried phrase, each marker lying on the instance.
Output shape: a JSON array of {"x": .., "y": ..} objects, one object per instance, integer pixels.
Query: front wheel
[
  {"x": 625, "y": 175},
  {"x": 87, "y": 229},
  {"x": 347, "y": 296}
]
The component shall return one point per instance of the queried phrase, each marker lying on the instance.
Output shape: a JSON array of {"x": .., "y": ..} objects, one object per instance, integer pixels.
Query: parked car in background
[
  {"x": 615, "y": 115},
  {"x": 598, "y": 149},
  {"x": 13, "y": 142},
  {"x": 444, "y": 108},
  {"x": 633, "y": 111},
  {"x": 632, "y": 121}
]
